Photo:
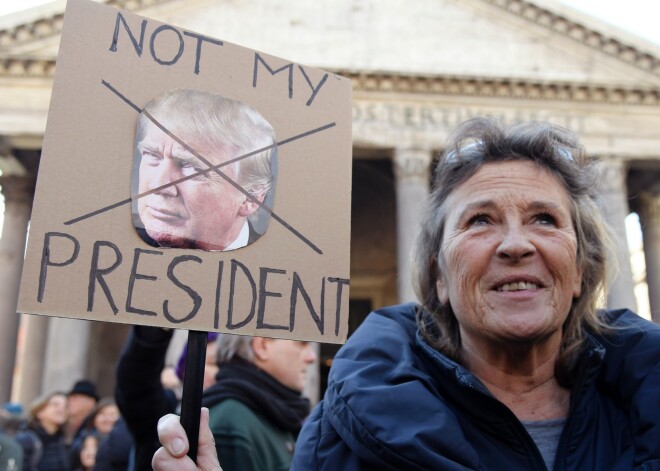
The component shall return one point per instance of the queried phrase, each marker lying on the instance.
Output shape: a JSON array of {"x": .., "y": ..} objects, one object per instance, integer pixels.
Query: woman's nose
[{"x": 515, "y": 243}]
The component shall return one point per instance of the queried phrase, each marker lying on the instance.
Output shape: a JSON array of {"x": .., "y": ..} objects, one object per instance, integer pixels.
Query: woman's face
[
  {"x": 88, "y": 452},
  {"x": 508, "y": 255},
  {"x": 105, "y": 419},
  {"x": 55, "y": 413}
]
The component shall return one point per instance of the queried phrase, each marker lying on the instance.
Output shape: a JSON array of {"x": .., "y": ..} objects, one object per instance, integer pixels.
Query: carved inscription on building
[{"x": 436, "y": 117}]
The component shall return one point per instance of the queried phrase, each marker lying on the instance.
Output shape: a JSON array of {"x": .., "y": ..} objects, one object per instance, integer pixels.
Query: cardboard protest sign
[{"x": 191, "y": 183}]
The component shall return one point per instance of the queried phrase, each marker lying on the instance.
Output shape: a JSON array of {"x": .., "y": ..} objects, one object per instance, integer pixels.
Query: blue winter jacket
[{"x": 395, "y": 403}]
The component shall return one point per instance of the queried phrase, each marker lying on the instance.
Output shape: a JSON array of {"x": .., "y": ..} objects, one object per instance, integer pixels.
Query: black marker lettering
[
  {"x": 218, "y": 286},
  {"x": 263, "y": 294},
  {"x": 198, "y": 52},
  {"x": 232, "y": 286},
  {"x": 316, "y": 89},
  {"x": 156, "y": 32},
  {"x": 257, "y": 59},
  {"x": 340, "y": 284},
  {"x": 46, "y": 261},
  {"x": 138, "y": 276},
  {"x": 296, "y": 287},
  {"x": 137, "y": 45},
  {"x": 197, "y": 299},
  {"x": 96, "y": 274}
]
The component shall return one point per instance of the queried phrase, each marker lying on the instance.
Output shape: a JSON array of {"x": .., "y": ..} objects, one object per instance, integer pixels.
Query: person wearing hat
[{"x": 81, "y": 400}]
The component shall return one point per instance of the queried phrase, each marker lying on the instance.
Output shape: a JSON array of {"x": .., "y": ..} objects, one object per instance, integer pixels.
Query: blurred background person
[
  {"x": 256, "y": 406},
  {"x": 27, "y": 439},
  {"x": 114, "y": 450},
  {"x": 48, "y": 417},
  {"x": 85, "y": 458},
  {"x": 103, "y": 417},
  {"x": 99, "y": 423},
  {"x": 11, "y": 451},
  {"x": 81, "y": 401},
  {"x": 210, "y": 364}
]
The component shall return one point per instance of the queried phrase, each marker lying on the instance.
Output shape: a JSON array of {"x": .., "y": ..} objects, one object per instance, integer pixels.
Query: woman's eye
[
  {"x": 478, "y": 220},
  {"x": 546, "y": 219}
]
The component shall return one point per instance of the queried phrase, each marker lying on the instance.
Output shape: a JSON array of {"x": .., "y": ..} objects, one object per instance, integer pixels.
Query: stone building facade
[{"x": 417, "y": 72}]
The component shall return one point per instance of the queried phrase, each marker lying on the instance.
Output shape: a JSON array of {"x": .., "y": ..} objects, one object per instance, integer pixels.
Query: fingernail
[{"x": 177, "y": 446}]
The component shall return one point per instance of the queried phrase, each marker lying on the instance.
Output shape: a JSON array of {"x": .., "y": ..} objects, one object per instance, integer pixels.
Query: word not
[
  {"x": 62, "y": 250},
  {"x": 161, "y": 33}
]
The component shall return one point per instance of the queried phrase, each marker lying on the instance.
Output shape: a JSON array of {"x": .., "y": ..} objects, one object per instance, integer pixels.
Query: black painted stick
[{"x": 193, "y": 383}]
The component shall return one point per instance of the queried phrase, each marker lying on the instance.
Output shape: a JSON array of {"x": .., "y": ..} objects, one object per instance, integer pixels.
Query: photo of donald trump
[{"x": 184, "y": 139}]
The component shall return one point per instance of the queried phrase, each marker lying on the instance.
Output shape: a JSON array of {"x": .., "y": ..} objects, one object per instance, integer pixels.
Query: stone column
[
  {"x": 649, "y": 217},
  {"x": 615, "y": 209},
  {"x": 66, "y": 353},
  {"x": 18, "y": 192},
  {"x": 411, "y": 172},
  {"x": 33, "y": 358}
]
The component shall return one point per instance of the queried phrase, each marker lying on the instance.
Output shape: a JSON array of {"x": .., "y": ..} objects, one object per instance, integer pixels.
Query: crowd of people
[
  {"x": 505, "y": 363},
  {"x": 59, "y": 431},
  {"x": 252, "y": 385}
]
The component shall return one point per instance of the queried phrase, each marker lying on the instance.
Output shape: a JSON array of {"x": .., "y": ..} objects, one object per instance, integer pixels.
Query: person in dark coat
[
  {"x": 48, "y": 416},
  {"x": 83, "y": 457},
  {"x": 506, "y": 363},
  {"x": 81, "y": 401},
  {"x": 11, "y": 451},
  {"x": 114, "y": 451},
  {"x": 256, "y": 406},
  {"x": 99, "y": 423}
]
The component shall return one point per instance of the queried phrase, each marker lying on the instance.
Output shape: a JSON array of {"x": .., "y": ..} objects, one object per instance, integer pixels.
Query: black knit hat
[{"x": 86, "y": 388}]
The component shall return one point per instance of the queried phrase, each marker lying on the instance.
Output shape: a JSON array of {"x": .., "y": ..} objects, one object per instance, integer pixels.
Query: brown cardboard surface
[{"x": 84, "y": 257}]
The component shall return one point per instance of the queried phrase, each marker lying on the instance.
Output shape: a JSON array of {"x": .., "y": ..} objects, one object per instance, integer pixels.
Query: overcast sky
[{"x": 637, "y": 16}]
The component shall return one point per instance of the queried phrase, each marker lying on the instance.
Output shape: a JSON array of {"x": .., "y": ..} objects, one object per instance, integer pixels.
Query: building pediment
[{"x": 498, "y": 39}]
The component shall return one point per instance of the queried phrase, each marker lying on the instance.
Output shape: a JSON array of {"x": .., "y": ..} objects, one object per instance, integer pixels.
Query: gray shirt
[{"x": 545, "y": 434}]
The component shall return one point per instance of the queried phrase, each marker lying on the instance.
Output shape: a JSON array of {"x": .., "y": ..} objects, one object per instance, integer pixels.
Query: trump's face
[{"x": 204, "y": 211}]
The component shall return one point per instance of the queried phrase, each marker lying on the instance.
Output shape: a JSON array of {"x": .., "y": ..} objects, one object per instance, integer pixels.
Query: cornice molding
[
  {"x": 501, "y": 88},
  {"x": 27, "y": 68},
  {"x": 44, "y": 28},
  {"x": 429, "y": 85},
  {"x": 607, "y": 44}
]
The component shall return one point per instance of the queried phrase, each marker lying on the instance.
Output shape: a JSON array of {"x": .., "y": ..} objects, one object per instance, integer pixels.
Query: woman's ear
[
  {"x": 441, "y": 290},
  {"x": 577, "y": 283}
]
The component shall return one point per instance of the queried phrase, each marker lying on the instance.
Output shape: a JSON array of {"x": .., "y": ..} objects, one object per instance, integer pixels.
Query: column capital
[
  {"x": 17, "y": 189},
  {"x": 412, "y": 164}
]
